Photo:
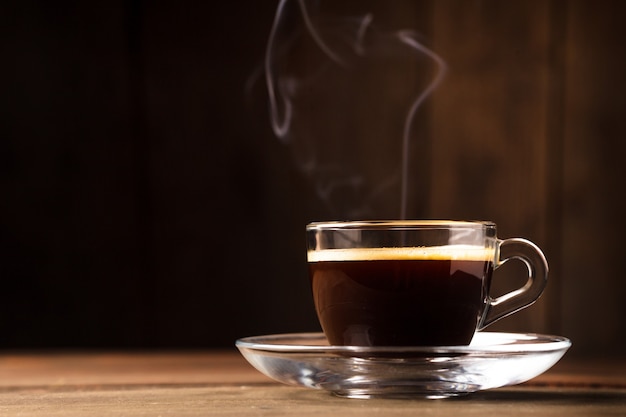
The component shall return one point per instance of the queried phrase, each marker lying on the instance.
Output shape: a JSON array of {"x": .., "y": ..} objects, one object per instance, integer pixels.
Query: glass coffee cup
[{"x": 413, "y": 282}]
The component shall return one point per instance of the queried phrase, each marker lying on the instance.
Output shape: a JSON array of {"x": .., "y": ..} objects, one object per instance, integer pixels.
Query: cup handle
[{"x": 507, "y": 304}]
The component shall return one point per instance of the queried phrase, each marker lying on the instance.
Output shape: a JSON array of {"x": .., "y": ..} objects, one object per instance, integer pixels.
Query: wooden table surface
[{"x": 222, "y": 383}]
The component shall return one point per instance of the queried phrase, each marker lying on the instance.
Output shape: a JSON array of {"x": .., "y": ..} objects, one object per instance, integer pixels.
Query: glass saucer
[{"x": 492, "y": 360}]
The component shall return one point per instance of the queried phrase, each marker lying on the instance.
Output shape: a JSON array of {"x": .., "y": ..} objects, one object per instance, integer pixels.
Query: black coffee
[{"x": 390, "y": 299}]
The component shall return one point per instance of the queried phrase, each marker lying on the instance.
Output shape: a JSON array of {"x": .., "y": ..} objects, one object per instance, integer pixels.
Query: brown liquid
[{"x": 406, "y": 302}]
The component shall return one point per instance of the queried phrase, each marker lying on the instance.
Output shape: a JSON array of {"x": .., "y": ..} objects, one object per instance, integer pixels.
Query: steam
[
  {"x": 409, "y": 39},
  {"x": 344, "y": 94}
]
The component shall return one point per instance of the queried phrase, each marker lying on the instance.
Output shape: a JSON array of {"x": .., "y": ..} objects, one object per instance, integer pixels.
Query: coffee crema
[
  {"x": 456, "y": 252},
  {"x": 408, "y": 296}
]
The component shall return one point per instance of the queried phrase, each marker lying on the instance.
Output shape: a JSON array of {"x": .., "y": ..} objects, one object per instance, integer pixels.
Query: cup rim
[{"x": 400, "y": 224}]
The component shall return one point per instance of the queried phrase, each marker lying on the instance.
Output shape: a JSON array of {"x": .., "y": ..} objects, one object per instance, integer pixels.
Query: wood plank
[
  {"x": 254, "y": 400},
  {"x": 221, "y": 383},
  {"x": 489, "y": 142},
  {"x": 594, "y": 171},
  {"x": 115, "y": 369}
]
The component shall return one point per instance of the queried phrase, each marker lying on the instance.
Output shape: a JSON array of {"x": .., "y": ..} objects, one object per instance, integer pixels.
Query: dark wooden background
[{"x": 147, "y": 204}]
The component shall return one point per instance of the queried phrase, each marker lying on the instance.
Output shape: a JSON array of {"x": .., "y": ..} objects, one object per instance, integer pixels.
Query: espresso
[{"x": 400, "y": 297}]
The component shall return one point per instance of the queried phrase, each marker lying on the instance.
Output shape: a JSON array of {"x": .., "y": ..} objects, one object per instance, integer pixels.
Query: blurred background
[{"x": 147, "y": 202}]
